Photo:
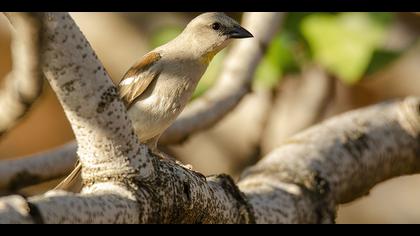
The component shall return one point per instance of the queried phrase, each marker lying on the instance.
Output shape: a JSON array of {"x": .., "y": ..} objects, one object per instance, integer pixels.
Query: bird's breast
[{"x": 153, "y": 114}]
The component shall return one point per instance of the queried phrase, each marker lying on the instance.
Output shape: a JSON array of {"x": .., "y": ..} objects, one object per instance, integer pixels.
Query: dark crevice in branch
[
  {"x": 246, "y": 211},
  {"x": 34, "y": 212},
  {"x": 22, "y": 179}
]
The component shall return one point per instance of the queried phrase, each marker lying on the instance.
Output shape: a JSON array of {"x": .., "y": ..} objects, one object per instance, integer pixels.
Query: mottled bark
[
  {"x": 335, "y": 162},
  {"x": 234, "y": 82},
  {"x": 24, "y": 83},
  {"x": 107, "y": 145}
]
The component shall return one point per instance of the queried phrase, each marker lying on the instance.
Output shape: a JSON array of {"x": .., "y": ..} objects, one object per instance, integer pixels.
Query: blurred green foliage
[
  {"x": 380, "y": 59},
  {"x": 278, "y": 59},
  {"x": 164, "y": 35},
  {"x": 348, "y": 45},
  {"x": 344, "y": 43}
]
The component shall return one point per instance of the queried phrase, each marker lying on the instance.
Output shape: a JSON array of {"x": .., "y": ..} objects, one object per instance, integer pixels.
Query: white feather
[{"x": 129, "y": 81}]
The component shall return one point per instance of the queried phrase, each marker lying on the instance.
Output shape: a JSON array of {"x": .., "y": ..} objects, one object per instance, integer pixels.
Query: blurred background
[{"x": 317, "y": 66}]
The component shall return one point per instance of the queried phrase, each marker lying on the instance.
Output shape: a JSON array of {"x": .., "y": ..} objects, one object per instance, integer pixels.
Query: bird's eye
[{"x": 215, "y": 26}]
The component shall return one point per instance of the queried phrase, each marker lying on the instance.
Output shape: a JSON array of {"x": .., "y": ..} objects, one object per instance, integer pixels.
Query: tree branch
[
  {"x": 24, "y": 83},
  {"x": 34, "y": 169},
  {"x": 302, "y": 181},
  {"x": 103, "y": 132},
  {"x": 234, "y": 82},
  {"x": 335, "y": 162},
  {"x": 300, "y": 102}
]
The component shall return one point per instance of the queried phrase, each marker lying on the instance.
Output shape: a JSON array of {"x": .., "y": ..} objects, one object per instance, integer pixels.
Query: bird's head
[{"x": 211, "y": 32}]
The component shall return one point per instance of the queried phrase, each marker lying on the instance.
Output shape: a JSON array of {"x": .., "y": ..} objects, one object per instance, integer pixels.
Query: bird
[{"x": 158, "y": 86}]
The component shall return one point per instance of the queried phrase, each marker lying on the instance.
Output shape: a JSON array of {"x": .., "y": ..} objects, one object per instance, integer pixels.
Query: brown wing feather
[
  {"x": 141, "y": 75},
  {"x": 73, "y": 182}
]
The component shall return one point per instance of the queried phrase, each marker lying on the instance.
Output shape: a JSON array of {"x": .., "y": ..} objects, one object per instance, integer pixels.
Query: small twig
[{"x": 34, "y": 169}]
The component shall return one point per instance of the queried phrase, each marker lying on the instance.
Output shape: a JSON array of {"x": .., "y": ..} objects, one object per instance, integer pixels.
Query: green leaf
[
  {"x": 287, "y": 53},
  {"x": 344, "y": 43},
  {"x": 279, "y": 59},
  {"x": 291, "y": 24},
  {"x": 380, "y": 59}
]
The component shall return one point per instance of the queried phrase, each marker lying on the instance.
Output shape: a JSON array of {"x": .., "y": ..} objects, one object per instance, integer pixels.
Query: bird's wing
[{"x": 138, "y": 78}]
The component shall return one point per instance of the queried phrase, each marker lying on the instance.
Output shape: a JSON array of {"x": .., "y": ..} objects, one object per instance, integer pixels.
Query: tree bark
[{"x": 335, "y": 162}]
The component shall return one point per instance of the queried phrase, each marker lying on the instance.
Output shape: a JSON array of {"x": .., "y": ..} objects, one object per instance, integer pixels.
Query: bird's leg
[{"x": 152, "y": 144}]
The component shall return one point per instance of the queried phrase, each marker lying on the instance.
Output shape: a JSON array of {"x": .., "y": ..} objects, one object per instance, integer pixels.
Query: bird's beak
[{"x": 238, "y": 32}]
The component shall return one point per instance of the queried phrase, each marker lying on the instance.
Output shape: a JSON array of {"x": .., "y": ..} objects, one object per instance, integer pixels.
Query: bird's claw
[{"x": 164, "y": 156}]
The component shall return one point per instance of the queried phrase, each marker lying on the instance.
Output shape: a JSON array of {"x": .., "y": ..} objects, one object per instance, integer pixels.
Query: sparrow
[{"x": 158, "y": 87}]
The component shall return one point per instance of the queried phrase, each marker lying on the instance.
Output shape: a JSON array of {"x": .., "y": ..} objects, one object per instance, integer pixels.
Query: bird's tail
[{"x": 73, "y": 182}]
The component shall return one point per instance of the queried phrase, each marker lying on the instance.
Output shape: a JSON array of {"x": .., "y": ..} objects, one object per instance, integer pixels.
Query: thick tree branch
[
  {"x": 234, "y": 82},
  {"x": 24, "y": 83},
  {"x": 107, "y": 145},
  {"x": 335, "y": 162}
]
